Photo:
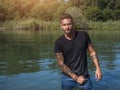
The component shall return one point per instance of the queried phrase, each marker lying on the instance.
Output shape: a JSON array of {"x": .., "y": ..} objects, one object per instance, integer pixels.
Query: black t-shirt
[{"x": 74, "y": 52}]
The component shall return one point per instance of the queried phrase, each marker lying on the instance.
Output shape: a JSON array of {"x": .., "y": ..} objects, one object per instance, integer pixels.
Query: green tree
[
  {"x": 104, "y": 10},
  {"x": 3, "y": 13},
  {"x": 109, "y": 4},
  {"x": 48, "y": 11},
  {"x": 79, "y": 19},
  {"x": 94, "y": 13}
]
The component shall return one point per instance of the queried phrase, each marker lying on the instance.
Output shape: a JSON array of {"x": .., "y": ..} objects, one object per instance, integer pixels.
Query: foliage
[
  {"x": 94, "y": 13},
  {"x": 52, "y": 9},
  {"x": 17, "y": 11},
  {"x": 116, "y": 15},
  {"x": 104, "y": 10},
  {"x": 48, "y": 11},
  {"x": 79, "y": 19},
  {"x": 109, "y": 4},
  {"x": 97, "y": 14},
  {"x": 3, "y": 13},
  {"x": 108, "y": 25},
  {"x": 31, "y": 24}
]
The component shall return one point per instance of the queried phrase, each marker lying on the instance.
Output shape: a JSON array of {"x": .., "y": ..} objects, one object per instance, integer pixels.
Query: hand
[
  {"x": 81, "y": 79},
  {"x": 98, "y": 74}
]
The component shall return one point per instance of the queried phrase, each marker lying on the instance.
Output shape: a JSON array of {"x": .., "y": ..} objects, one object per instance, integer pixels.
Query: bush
[
  {"x": 94, "y": 14},
  {"x": 79, "y": 19},
  {"x": 2, "y": 17},
  {"x": 3, "y": 14},
  {"x": 108, "y": 14},
  {"x": 35, "y": 24},
  {"x": 116, "y": 15},
  {"x": 30, "y": 24}
]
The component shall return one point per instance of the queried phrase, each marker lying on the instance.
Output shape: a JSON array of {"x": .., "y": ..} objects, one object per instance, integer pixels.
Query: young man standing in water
[{"x": 71, "y": 53}]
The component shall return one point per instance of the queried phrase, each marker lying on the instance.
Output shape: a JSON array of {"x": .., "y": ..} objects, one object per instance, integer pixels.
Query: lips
[{"x": 68, "y": 31}]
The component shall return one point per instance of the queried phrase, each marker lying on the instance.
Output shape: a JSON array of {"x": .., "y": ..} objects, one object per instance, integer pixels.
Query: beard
[{"x": 68, "y": 31}]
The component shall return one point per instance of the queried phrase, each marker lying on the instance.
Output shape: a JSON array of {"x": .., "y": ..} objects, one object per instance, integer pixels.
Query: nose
[{"x": 67, "y": 26}]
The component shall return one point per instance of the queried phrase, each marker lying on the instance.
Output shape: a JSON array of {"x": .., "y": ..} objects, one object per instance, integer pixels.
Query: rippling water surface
[{"x": 27, "y": 60}]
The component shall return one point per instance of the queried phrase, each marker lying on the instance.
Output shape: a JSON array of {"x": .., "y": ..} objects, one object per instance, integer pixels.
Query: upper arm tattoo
[
  {"x": 92, "y": 51},
  {"x": 60, "y": 59},
  {"x": 94, "y": 56}
]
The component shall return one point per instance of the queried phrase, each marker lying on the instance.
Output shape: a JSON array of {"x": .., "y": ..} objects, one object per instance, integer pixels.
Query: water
[{"x": 27, "y": 60}]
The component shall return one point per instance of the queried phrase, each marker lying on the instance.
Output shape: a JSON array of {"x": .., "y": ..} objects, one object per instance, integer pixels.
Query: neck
[{"x": 70, "y": 36}]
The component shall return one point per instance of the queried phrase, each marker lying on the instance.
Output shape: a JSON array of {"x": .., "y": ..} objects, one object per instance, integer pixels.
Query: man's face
[{"x": 67, "y": 25}]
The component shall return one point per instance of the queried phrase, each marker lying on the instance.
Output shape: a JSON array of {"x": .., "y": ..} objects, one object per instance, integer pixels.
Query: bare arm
[
  {"x": 66, "y": 69},
  {"x": 94, "y": 57}
]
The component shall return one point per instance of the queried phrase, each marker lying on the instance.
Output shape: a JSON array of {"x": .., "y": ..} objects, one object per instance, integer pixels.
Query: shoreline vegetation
[
  {"x": 44, "y": 14},
  {"x": 29, "y": 24},
  {"x": 34, "y": 24}
]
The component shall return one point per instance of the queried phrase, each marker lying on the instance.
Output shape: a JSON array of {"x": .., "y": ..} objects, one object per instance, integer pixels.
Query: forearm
[
  {"x": 80, "y": 79},
  {"x": 98, "y": 73},
  {"x": 95, "y": 60},
  {"x": 68, "y": 72},
  {"x": 64, "y": 67},
  {"x": 94, "y": 57}
]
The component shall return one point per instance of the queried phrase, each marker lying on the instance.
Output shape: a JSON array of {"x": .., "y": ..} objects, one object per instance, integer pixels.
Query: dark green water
[{"x": 27, "y": 60}]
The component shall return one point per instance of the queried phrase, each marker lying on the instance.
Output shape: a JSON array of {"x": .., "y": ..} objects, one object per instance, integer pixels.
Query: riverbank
[
  {"x": 108, "y": 25},
  {"x": 34, "y": 24},
  {"x": 30, "y": 24}
]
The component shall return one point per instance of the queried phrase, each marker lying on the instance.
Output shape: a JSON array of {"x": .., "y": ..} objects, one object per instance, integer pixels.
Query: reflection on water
[
  {"x": 27, "y": 60},
  {"x": 20, "y": 53}
]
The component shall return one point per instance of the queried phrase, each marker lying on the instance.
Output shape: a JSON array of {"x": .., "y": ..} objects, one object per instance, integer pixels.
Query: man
[{"x": 71, "y": 53}]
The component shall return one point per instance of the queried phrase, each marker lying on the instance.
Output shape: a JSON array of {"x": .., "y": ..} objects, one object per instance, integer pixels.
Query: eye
[
  {"x": 63, "y": 24},
  {"x": 69, "y": 23}
]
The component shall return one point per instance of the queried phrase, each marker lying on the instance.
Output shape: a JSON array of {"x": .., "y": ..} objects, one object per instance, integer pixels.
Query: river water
[{"x": 27, "y": 60}]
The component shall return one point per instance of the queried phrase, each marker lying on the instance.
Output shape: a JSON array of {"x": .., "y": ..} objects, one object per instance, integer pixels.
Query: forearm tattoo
[
  {"x": 94, "y": 56},
  {"x": 63, "y": 67}
]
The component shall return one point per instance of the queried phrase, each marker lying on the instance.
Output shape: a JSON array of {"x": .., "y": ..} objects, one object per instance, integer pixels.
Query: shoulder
[
  {"x": 60, "y": 39},
  {"x": 84, "y": 36},
  {"x": 82, "y": 33}
]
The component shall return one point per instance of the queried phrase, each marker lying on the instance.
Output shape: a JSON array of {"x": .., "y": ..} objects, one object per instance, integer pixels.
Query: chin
[{"x": 68, "y": 32}]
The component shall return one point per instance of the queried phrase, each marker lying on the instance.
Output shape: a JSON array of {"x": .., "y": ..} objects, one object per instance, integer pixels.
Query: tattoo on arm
[
  {"x": 60, "y": 59},
  {"x": 94, "y": 56},
  {"x": 63, "y": 67}
]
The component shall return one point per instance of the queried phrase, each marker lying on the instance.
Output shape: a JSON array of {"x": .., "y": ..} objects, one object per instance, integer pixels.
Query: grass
[
  {"x": 34, "y": 24},
  {"x": 31, "y": 24},
  {"x": 109, "y": 25}
]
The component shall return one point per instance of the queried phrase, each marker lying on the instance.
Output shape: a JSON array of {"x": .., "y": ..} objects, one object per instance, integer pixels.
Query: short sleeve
[
  {"x": 57, "y": 47},
  {"x": 88, "y": 38}
]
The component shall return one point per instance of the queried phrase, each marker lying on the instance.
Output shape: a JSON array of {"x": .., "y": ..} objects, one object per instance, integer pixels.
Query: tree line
[{"x": 50, "y": 10}]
